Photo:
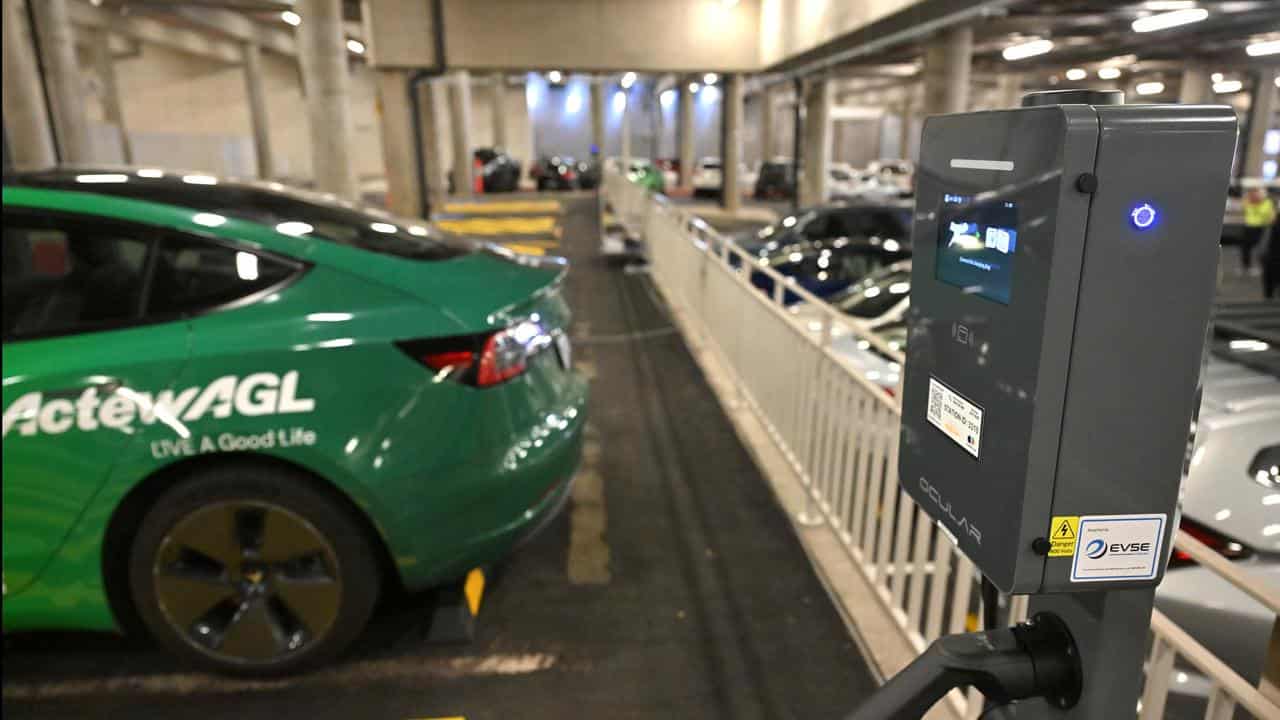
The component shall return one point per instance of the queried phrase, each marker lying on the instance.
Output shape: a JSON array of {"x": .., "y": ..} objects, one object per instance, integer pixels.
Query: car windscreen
[{"x": 875, "y": 295}]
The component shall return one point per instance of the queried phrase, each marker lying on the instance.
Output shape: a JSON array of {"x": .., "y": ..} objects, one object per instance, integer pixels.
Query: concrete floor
[{"x": 672, "y": 587}]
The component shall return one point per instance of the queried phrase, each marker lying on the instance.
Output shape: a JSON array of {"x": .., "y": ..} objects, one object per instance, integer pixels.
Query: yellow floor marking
[
  {"x": 525, "y": 249},
  {"x": 531, "y": 241},
  {"x": 588, "y": 551},
  {"x": 505, "y": 206},
  {"x": 538, "y": 225}
]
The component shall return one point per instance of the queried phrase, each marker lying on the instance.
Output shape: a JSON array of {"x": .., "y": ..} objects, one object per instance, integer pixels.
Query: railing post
[
  {"x": 1269, "y": 683},
  {"x": 811, "y": 515}
]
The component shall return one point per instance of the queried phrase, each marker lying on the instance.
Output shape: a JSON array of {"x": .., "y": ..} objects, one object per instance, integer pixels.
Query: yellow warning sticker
[
  {"x": 1063, "y": 532},
  {"x": 473, "y": 588}
]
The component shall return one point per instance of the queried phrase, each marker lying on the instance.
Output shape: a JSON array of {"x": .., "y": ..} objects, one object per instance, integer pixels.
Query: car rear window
[
  {"x": 296, "y": 214},
  {"x": 293, "y": 212}
]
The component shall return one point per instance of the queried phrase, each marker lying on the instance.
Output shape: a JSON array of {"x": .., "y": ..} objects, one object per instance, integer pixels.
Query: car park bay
[{"x": 644, "y": 598}]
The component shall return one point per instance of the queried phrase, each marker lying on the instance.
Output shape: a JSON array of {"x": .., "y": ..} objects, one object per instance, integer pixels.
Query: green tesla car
[{"x": 235, "y": 413}]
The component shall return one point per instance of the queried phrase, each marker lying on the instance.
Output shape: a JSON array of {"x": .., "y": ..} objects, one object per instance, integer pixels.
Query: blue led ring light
[{"x": 1143, "y": 216}]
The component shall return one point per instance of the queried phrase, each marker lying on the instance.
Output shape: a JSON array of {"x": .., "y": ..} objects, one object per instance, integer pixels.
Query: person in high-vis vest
[{"x": 1259, "y": 216}]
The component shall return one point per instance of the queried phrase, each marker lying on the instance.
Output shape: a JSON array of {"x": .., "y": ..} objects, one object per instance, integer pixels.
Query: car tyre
[{"x": 250, "y": 570}]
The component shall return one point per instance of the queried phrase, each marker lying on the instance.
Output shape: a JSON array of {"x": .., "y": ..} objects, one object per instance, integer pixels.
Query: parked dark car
[
  {"x": 826, "y": 267},
  {"x": 499, "y": 172},
  {"x": 776, "y": 181},
  {"x": 556, "y": 172},
  {"x": 589, "y": 174},
  {"x": 827, "y": 222}
]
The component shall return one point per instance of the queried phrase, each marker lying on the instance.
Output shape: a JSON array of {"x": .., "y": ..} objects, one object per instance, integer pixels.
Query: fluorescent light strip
[
  {"x": 1164, "y": 21},
  {"x": 1266, "y": 47},
  {"x": 972, "y": 164},
  {"x": 1027, "y": 49}
]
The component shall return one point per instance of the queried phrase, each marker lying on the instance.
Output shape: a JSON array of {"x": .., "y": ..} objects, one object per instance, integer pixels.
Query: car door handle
[{"x": 103, "y": 388}]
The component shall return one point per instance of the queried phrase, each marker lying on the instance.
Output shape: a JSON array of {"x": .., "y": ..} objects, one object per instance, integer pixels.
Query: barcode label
[{"x": 955, "y": 416}]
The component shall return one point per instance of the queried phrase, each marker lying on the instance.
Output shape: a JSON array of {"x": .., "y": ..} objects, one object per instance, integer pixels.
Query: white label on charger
[
  {"x": 1118, "y": 547},
  {"x": 955, "y": 416}
]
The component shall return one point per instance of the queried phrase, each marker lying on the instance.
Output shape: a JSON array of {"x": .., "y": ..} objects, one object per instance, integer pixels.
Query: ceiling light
[
  {"x": 199, "y": 180},
  {"x": 1278, "y": 81},
  {"x": 291, "y": 17},
  {"x": 1164, "y": 21},
  {"x": 381, "y": 227},
  {"x": 694, "y": 87},
  {"x": 555, "y": 76},
  {"x": 667, "y": 97},
  {"x": 1150, "y": 88},
  {"x": 1227, "y": 86},
  {"x": 1077, "y": 74},
  {"x": 151, "y": 173},
  {"x": 1266, "y": 47},
  {"x": 628, "y": 79},
  {"x": 1027, "y": 49},
  {"x": 355, "y": 46},
  {"x": 1109, "y": 73},
  {"x": 1216, "y": 77},
  {"x": 710, "y": 78}
]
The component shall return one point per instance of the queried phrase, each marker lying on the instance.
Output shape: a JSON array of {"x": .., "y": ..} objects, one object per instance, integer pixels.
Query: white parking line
[{"x": 352, "y": 675}]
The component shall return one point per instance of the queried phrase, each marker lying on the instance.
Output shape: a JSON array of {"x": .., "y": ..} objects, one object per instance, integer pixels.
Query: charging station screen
[{"x": 976, "y": 246}]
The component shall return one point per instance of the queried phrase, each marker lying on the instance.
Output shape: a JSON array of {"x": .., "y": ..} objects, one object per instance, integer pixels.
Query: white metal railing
[{"x": 839, "y": 433}]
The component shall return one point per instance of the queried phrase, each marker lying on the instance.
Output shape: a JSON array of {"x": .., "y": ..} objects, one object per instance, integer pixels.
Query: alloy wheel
[{"x": 247, "y": 582}]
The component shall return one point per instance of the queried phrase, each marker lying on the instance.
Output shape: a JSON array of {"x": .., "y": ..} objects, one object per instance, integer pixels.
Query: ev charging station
[{"x": 1066, "y": 257}]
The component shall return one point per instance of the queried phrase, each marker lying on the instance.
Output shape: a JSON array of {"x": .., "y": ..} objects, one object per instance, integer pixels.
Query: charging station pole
[{"x": 1065, "y": 264}]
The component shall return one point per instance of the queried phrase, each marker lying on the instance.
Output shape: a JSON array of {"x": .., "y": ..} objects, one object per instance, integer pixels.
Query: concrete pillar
[
  {"x": 322, "y": 51},
  {"x": 685, "y": 133},
  {"x": 111, "y": 109},
  {"x": 1262, "y": 117},
  {"x": 624, "y": 127},
  {"x": 258, "y": 110},
  {"x": 767, "y": 125},
  {"x": 731, "y": 104},
  {"x": 817, "y": 142},
  {"x": 500, "y": 110},
  {"x": 908, "y": 119},
  {"x": 460, "y": 131},
  {"x": 395, "y": 116},
  {"x": 432, "y": 101},
  {"x": 63, "y": 79},
  {"x": 26, "y": 123},
  {"x": 947, "y": 60},
  {"x": 1009, "y": 90},
  {"x": 1196, "y": 87},
  {"x": 597, "y": 115}
]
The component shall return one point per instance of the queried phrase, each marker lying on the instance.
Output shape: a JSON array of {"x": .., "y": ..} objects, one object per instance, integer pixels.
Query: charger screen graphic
[{"x": 976, "y": 246}]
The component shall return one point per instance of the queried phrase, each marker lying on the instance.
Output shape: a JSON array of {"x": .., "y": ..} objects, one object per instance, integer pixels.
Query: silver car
[
  {"x": 1231, "y": 497},
  {"x": 1231, "y": 502}
]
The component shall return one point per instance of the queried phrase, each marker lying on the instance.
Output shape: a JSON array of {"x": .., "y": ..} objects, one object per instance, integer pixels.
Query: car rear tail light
[
  {"x": 1224, "y": 545},
  {"x": 481, "y": 360},
  {"x": 459, "y": 360}
]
